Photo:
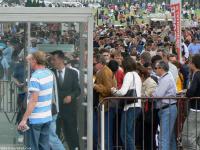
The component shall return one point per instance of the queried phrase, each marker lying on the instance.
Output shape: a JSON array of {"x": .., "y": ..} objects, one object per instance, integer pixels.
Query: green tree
[
  {"x": 43, "y": 4},
  {"x": 28, "y": 3},
  {"x": 34, "y": 3},
  {"x": 38, "y": 4}
]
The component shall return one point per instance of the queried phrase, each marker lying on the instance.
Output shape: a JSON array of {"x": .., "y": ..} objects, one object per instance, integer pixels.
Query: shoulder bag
[{"x": 131, "y": 93}]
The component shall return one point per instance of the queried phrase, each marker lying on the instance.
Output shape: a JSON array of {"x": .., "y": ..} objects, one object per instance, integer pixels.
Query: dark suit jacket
[{"x": 70, "y": 87}]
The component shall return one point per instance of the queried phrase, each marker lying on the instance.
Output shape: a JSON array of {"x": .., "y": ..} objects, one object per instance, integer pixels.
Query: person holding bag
[{"x": 132, "y": 85}]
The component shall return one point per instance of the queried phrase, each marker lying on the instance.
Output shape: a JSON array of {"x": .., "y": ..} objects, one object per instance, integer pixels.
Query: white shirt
[
  {"x": 128, "y": 84},
  {"x": 185, "y": 50}
]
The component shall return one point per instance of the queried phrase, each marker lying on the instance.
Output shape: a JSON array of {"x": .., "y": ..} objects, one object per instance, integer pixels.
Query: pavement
[
  {"x": 7, "y": 130},
  {"x": 8, "y": 134}
]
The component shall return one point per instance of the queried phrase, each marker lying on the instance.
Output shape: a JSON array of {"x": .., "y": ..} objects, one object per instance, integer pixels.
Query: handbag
[{"x": 131, "y": 93}]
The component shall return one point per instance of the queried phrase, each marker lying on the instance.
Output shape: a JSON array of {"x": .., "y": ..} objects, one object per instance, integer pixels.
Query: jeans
[
  {"x": 167, "y": 138},
  {"x": 191, "y": 131},
  {"x": 37, "y": 137},
  {"x": 54, "y": 141},
  {"x": 95, "y": 130},
  {"x": 127, "y": 131}
]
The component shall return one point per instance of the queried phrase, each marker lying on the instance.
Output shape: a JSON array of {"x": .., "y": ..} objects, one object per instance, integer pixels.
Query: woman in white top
[{"x": 131, "y": 111}]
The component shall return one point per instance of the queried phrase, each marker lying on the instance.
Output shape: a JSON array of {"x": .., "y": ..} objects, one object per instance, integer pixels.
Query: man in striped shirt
[{"x": 38, "y": 114}]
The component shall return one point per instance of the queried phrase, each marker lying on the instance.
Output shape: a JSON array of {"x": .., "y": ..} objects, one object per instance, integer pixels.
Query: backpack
[{"x": 1, "y": 69}]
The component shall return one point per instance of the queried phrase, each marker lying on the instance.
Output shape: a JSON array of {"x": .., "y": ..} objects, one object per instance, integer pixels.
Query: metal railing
[
  {"x": 8, "y": 98},
  {"x": 106, "y": 105}
]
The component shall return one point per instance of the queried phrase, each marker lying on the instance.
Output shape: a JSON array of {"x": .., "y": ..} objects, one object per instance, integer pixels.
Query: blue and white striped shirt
[{"x": 41, "y": 81}]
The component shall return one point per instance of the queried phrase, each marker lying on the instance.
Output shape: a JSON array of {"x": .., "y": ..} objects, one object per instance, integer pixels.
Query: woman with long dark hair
[{"x": 132, "y": 110}]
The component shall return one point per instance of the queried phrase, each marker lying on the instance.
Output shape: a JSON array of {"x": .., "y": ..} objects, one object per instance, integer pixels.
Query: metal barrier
[
  {"x": 8, "y": 98},
  {"x": 141, "y": 143}
]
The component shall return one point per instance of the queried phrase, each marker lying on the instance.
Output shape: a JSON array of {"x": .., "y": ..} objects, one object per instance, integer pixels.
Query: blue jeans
[
  {"x": 54, "y": 141},
  {"x": 37, "y": 137},
  {"x": 109, "y": 119},
  {"x": 167, "y": 138},
  {"x": 127, "y": 131},
  {"x": 95, "y": 130}
]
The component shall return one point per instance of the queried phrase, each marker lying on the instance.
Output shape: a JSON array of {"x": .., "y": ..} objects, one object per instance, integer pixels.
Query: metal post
[
  {"x": 102, "y": 128},
  {"x": 28, "y": 48},
  {"x": 97, "y": 16},
  {"x": 81, "y": 108},
  {"x": 90, "y": 85}
]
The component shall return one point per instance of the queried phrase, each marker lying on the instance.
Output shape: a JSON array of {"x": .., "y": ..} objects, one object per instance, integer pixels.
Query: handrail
[{"x": 142, "y": 98}]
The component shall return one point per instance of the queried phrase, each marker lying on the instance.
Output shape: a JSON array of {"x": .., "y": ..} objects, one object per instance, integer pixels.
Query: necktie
[{"x": 60, "y": 78}]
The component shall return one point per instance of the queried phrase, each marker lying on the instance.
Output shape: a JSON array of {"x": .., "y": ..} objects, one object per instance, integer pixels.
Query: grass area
[
  {"x": 112, "y": 20},
  {"x": 139, "y": 20}
]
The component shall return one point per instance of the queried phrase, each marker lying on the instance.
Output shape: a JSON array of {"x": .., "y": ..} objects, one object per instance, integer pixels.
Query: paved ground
[
  {"x": 8, "y": 134},
  {"x": 7, "y": 130}
]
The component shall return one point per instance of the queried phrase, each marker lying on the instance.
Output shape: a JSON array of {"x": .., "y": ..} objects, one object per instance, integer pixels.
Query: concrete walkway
[
  {"x": 8, "y": 134},
  {"x": 7, "y": 130}
]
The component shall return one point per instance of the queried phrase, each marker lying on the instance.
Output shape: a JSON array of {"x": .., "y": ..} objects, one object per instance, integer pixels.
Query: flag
[{"x": 175, "y": 6}]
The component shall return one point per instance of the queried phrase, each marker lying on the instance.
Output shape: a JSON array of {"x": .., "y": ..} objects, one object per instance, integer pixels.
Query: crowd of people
[
  {"x": 144, "y": 58},
  {"x": 51, "y": 109},
  {"x": 139, "y": 58}
]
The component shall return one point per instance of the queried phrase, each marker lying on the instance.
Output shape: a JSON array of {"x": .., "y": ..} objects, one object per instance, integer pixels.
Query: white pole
[
  {"x": 102, "y": 128},
  {"x": 90, "y": 85}
]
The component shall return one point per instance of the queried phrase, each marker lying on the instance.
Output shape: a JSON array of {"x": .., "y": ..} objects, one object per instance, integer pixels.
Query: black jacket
[
  {"x": 70, "y": 87},
  {"x": 194, "y": 91}
]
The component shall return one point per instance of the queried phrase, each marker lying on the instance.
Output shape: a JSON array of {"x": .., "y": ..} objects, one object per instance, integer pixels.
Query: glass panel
[
  {"x": 71, "y": 39},
  {"x": 42, "y": 32},
  {"x": 13, "y": 43}
]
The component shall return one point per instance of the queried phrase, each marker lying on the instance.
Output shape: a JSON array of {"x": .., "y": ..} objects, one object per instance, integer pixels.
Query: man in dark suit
[{"x": 68, "y": 91}]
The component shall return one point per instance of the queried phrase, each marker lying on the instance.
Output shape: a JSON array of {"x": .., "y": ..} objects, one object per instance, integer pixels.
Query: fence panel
[
  {"x": 149, "y": 126},
  {"x": 8, "y": 98}
]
